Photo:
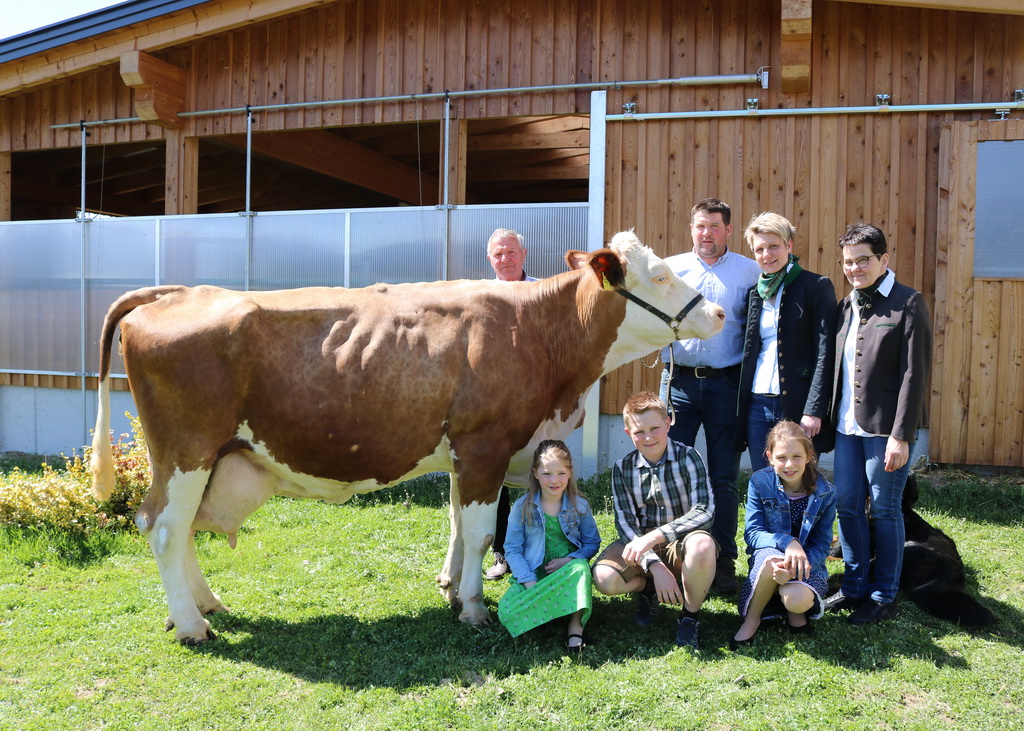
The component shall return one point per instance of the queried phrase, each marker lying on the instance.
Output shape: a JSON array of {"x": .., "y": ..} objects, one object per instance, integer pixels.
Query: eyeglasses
[{"x": 860, "y": 262}]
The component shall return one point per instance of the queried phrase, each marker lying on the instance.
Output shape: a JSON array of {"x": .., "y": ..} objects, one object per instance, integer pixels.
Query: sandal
[{"x": 575, "y": 648}]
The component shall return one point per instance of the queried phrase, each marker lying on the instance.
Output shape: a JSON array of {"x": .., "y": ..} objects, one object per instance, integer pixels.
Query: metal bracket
[
  {"x": 629, "y": 108},
  {"x": 1002, "y": 114},
  {"x": 753, "y": 104},
  {"x": 1018, "y": 95},
  {"x": 882, "y": 100}
]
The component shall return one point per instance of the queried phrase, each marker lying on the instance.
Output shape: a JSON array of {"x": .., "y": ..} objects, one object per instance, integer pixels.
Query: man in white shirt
[{"x": 706, "y": 373}]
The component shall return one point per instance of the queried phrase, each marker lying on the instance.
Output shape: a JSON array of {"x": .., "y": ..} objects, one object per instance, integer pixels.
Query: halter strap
[{"x": 672, "y": 322}]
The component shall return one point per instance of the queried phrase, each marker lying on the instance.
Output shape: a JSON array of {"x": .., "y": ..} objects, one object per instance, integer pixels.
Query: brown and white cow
[{"x": 330, "y": 392}]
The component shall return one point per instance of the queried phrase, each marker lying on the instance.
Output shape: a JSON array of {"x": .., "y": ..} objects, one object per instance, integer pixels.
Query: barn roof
[{"x": 88, "y": 25}]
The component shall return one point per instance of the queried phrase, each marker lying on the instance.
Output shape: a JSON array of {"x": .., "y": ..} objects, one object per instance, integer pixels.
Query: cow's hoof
[
  {"x": 214, "y": 609},
  {"x": 443, "y": 581},
  {"x": 196, "y": 641},
  {"x": 479, "y": 618},
  {"x": 201, "y": 632}
]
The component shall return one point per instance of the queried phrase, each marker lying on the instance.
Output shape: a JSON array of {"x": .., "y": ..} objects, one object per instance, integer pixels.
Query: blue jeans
[
  {"x": 711, "y": 402},
  {"x": 765, "y": 412},
  {"x": 859, "y": 465}
]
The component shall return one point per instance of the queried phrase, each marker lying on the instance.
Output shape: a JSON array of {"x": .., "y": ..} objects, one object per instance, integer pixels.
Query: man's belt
[{"x": 704, "y": 371}]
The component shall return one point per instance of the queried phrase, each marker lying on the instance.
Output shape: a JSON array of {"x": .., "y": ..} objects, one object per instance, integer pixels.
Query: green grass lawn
[{"x": 337, "y": 623}]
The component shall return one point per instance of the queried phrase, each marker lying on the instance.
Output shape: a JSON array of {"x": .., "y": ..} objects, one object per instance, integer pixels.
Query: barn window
[{"x": 999, "y": 223}]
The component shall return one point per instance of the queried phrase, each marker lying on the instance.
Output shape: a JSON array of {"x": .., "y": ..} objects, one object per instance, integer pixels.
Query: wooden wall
[
  {"x": 977, "y": 408},
  {"x": 343, "y": 50},
  {"x": 820, "y": 171}
]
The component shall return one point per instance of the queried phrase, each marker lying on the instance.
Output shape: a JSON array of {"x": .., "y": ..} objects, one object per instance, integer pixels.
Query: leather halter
[{"x": 672, "y": 322}]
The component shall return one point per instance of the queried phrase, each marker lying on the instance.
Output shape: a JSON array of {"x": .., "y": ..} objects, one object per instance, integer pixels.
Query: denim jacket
[
  {"x": 524, "y": 544},
  {"x": 768, "y": 518}
]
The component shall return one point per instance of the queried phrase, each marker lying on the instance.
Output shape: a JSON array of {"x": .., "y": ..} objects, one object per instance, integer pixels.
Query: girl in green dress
[{"x": 551, "y": 538}]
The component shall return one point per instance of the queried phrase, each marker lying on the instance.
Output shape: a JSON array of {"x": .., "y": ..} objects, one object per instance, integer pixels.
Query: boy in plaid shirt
[{"x": 664, "y": 509}]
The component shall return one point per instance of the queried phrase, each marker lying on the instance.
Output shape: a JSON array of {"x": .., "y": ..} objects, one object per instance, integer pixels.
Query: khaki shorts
[{"x": 671, "y": 554}]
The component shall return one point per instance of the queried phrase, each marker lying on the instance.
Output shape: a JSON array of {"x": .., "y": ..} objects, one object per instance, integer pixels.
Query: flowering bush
[{"x": 62, "y": 498}]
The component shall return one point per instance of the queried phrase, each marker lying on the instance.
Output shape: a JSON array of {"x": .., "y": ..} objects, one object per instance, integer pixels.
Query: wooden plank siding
[
  {"x": 826, "y": 171},
  {"x": 908, "y": 173},
  {"x": 978, "y": 415}
]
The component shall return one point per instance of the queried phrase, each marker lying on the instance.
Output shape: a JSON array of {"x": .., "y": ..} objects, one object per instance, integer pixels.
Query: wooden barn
[{"x": 908, "y": 115}]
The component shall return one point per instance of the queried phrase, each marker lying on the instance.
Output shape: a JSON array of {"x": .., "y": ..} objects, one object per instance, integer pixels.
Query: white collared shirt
[
  {"x": 766, "y": 372},
  {"x": 725, "y": 283}
]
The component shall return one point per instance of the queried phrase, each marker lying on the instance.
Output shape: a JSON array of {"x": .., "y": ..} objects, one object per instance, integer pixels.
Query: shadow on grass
[
  {"x": 1008, "y": 629},
  {"x": 978, "y": 500},
  {"x": 431, "y": 648},
  {"x": 834, "y": 641}
]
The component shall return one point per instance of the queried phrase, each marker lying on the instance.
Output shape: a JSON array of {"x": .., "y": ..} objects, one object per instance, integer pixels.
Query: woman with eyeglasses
[
  {"x": 788, "y": 345},
  {"x": 883, "y": 359}
]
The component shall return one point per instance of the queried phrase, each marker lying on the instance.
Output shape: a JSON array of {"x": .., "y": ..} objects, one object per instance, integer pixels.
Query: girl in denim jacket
[
  {"x": 790, "y": 512},
  {"x": 551, "y": 538}
]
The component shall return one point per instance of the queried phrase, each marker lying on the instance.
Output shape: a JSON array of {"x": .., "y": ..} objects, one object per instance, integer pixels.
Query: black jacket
[
  {"x": 893, "y": 361},
  {"x": 806, "y": 348}
]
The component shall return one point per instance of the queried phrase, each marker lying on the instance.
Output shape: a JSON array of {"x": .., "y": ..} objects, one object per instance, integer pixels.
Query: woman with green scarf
[{"x": 788, "y": 345}]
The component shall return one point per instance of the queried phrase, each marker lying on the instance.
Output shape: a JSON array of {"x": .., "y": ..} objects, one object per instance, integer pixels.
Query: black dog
[{"x": 933, "y": 573}]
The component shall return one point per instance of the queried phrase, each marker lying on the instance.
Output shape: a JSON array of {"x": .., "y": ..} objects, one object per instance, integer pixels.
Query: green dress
[{"x": 554, "y": 595}]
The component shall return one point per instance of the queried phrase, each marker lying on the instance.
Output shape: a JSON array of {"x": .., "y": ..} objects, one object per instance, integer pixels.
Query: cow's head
[{"x": 658, "y": 297}]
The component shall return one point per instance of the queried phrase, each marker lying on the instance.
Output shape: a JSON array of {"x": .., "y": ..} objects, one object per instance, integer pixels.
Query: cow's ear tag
[{"x": 604, "y": 281}]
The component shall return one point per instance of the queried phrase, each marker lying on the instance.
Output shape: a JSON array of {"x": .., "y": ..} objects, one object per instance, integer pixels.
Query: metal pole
[
  {"x": 446, "y": 172},
  {"x": 81, "y": 205},
  {"x": 761, "y": 77},
  {"x": 812, "y": 111},
  {"x": 248, "y": 198},
  {"x": 248, "y": 160},
  {"x": 595, "y": 240},
  {"x": 347, "y": 234},
  {"x": 83, "y": 242}
]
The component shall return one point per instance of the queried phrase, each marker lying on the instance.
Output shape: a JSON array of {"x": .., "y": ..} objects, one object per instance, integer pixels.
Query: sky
[{"x": 21, "y": 16}]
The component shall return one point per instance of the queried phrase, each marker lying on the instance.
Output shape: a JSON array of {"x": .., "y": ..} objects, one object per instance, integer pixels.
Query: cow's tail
[{"x": 102, "y": 463}]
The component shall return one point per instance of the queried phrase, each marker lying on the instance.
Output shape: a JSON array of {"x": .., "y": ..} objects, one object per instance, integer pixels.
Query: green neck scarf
[{"x": 768, "y": 284}]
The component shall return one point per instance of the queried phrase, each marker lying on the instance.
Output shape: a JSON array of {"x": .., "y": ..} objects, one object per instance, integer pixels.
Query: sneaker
[
  {"x": 871, "y": 611},
  {"x": 725, "y": 577},
  {"x": 499, "y": 569},
  {"x": 646, "y": 609},
  {"x": 840, "y": 601},
  {"x": 686, "y": 634}
]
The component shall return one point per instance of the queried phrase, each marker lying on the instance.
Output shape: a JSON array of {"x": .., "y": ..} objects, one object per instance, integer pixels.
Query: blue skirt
[{"x": 817, "y": 582}]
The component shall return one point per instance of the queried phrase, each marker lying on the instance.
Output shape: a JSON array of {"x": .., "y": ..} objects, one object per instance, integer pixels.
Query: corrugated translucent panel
[
  {"x": 998, "y": 223},
  {"x": 208, "y": 249},
  {"x": 120, "y": 256},
  {"x": 40, "y": 296},
  {"x": 41, "y": 262},
  {"x": 395, "y": 245},
  {"x": 548, "y": 230},
  {"x": 298, "y": 250}
]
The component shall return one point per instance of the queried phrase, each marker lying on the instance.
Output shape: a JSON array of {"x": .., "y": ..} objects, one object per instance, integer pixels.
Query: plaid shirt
[{"x": 673, "y": 496}]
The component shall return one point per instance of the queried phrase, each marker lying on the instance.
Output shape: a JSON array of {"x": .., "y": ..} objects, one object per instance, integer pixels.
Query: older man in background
[{"x": 507, "y": 255}]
